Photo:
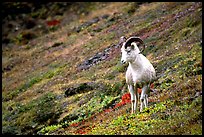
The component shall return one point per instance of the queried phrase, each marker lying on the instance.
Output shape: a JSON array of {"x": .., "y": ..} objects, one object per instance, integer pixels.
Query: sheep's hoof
[
  {"x": 141, "y": 110},
  {"x": 133, "y": 112}
]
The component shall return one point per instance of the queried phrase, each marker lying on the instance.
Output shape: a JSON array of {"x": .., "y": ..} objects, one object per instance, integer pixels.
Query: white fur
[{"x": 140, "y": 71}]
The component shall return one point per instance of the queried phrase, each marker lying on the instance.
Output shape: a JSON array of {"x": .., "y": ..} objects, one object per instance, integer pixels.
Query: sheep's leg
[
  {"x": 146, "y": 96},
  {"x": 132, "y": 94},
  {"x": 146, "y": 101},
  {"x": 143, "y": 98},
  {"x": 136, "y": 97}
]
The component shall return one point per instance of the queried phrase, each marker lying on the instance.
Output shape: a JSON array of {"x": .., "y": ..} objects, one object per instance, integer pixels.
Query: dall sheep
[{"x": 140, "y": 72}]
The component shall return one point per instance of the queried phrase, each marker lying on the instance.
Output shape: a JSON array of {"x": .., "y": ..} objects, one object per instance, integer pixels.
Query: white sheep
[{"x": 140, "y": 71}]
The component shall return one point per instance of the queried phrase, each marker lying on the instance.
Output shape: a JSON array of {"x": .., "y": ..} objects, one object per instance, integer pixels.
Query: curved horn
[{"x": 134, "y": 39}]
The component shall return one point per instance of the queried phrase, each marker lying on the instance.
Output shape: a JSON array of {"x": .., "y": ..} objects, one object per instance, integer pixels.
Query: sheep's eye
[{"x": 128, "y": 51}]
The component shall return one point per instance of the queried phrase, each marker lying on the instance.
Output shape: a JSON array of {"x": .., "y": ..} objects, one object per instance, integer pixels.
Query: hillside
[{"x": 61, "y": 70}]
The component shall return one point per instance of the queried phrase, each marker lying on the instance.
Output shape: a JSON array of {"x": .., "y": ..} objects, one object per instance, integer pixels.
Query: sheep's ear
[
  {"x": 132, "y": 46},
  {"x": 122, "y": 39}
]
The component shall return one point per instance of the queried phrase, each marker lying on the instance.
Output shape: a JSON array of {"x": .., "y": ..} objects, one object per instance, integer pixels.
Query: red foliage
[
  {"x": 108, "y": 110},
  {"x": 126, "y": 98},
  {"x": 139, "y": 90},
  {"x": 53, "y": 22},
  {"x": 74, "y": 124},
  {"x": 80, "y": 131},
  {"x": 152, "y": 85}
]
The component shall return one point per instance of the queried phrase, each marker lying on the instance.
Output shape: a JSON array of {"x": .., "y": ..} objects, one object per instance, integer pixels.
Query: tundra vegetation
[{"x": 61, "y": 71}]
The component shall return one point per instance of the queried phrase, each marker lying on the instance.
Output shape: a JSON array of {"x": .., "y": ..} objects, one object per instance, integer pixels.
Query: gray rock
[{"x": 105, "y": 16}]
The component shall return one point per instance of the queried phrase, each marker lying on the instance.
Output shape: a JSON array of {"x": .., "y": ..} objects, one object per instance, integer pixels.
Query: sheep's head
[{"x": 130, "y": 48}]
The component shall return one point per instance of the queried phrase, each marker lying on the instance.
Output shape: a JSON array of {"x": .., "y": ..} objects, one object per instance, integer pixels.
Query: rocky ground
[{"x": 61, "y": 71}]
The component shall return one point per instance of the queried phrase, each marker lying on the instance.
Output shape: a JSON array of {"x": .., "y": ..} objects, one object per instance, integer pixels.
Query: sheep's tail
[{"x": 151, "y": 89}]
